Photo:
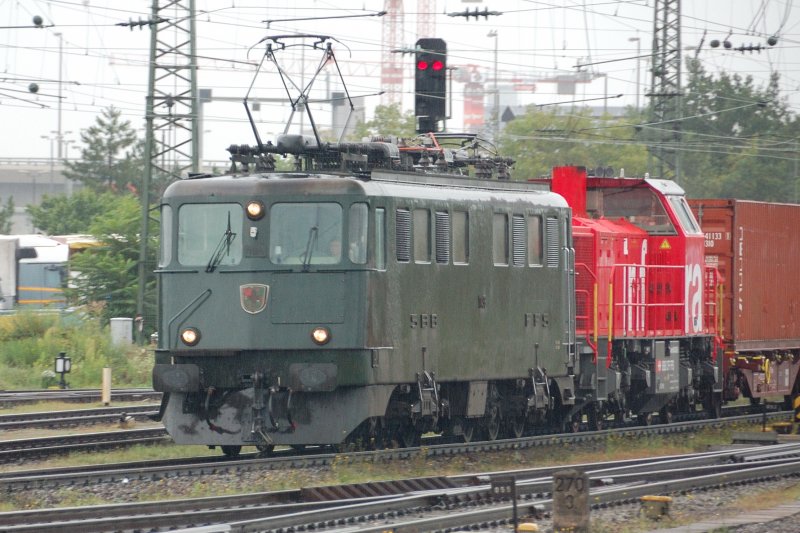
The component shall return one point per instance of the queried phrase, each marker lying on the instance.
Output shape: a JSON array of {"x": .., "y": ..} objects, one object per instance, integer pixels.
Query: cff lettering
[
  {"x": 423, "y": 320},
  {"x": 533, "y": 320}
]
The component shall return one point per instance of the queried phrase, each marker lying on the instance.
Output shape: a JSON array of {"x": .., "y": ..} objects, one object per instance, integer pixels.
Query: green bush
[
  {"x": 30, "y": 342},
  {"x": 25, "y": 325}
]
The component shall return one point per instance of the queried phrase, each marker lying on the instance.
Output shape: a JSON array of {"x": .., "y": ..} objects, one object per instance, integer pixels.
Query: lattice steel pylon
[
  {"x": 171, "y": 135},
  {"x": 665, "y": 112},
  {"x": 426, "y": 18},
  {"x": 391, "y": 62}
]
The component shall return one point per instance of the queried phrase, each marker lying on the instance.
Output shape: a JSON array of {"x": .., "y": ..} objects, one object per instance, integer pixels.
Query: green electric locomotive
[{"x": 335, "y": 306}]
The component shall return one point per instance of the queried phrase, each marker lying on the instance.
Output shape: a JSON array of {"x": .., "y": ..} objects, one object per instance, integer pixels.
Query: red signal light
[
  {"x": 422, "y": 65},
  {"x": 438, "y": 65}
]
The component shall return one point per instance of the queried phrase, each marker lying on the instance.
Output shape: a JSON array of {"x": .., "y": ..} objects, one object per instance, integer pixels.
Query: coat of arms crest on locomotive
[{"x": 253, "y": 297}]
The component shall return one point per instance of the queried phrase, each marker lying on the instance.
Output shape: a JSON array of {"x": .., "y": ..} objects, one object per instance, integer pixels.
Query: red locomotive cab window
[
  {"x": 684, "y": 215},
  {"x": 640, "y": 206}
]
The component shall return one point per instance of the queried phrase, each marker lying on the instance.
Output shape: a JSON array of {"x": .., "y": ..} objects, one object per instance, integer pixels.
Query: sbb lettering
[{"x": 423, "y": 320}]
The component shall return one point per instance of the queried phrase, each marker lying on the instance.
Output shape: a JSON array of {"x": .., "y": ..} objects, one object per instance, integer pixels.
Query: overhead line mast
[
  {"x": 665, "y": 111},
  {"x": 171, "y": 111}
]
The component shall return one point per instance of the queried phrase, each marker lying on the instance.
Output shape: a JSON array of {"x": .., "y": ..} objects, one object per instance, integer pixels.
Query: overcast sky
[{"x": 104, "y": 64}]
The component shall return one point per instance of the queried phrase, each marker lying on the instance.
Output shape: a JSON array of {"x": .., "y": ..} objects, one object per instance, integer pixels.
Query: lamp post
[
  {"x": 638, "y": 42},
  {"x": 496, "y": 103},
  {"x": 67, "y": 142},
  {"x": 52, "y": 163},
  {"x": 60, "y": 70},
  {"x": 63, "y": 366}
]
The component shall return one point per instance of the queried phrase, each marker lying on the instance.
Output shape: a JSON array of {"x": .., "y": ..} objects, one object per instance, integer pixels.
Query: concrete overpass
[{"x": 28, "y": 181}]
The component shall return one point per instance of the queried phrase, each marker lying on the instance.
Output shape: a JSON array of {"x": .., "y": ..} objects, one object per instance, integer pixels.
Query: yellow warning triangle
[{"x": 665, "y": 245}]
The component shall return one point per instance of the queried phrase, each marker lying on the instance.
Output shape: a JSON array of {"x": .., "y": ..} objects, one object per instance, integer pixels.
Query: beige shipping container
[{"x": 756, "y": 247}]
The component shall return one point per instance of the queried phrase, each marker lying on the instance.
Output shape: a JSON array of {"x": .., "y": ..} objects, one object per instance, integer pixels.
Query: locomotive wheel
[
  {"x": 645, "y": 419},
  {"x": 575, "y": 423},
  {"x": 713, "y": 404},
  {"x": 595, "y": 419},
  {"x": 380, "y": 438},
  {"x": 408, "y": 436},
  {"x": 467, "y": 430},
  {"x": 516, "y": 427},
  {"x": 231, "y": 451},
  {"x": 665, "y": 415},
  {"x": 266, "y": 449},
  {"x": 492, "y": 422}
]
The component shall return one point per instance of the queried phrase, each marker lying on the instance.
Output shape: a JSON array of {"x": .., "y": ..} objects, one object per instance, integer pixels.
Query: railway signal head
[{"x": 430, "y": 83}]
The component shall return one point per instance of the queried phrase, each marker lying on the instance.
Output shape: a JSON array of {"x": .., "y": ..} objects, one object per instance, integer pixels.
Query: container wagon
[{"x": 756, "y": 248}]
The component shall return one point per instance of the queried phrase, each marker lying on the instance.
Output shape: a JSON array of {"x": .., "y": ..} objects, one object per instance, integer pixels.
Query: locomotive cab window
[
  {"x": 357, "y": 234},
  {"x": 641, "y": 207},
  {"x": 308, "y": 233},
  {"x": 210, "y": 235},
  {"x": 380, "y": 238},
  {"x": 687, "y": 220},
  {"x": 165, "y": 256}
]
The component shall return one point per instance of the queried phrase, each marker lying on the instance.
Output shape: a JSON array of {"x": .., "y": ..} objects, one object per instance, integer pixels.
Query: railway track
[
  {"x": 435, "y": 503},
  {"x": 18, "y": 450},
  {"x": 19, "y": 397},
  {"x": 289, "y": 459},
  {"x": 79, "y": 417}
]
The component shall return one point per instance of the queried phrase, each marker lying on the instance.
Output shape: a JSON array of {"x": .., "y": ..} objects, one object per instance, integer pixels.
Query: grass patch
[
  {"x": 769, "y": 498},
  {"x": 55, "y": 406},
  {"x": 757, "y": 499},
  {"x": 139, "y": 452},
  {"x": 29, "y": 341}
]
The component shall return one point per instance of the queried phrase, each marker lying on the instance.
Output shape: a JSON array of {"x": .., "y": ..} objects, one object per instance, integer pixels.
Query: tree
[
  {"x": 739, "y": 139},
  {"x": 540, "y": 140},
  {"x": 388, "y": 120},
  {"x": 111, "y": 159},
  {"x": 107, "y": 278},
  {"x": 6, "y": 212},
  {"x": 64, "y": 215}
]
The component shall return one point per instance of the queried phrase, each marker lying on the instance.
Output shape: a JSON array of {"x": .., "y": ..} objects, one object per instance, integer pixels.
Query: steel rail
[
  {"x": 10, "y": 398},
  {"x": 499, "y": 515},
  {"x": 78, "y": 417},
  {"x": 26, "y": 480},
  {"x": 306, "y": 507}
]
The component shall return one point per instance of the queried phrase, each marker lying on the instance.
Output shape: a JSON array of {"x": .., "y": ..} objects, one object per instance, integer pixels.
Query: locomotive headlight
[
  {"x": 255, "y": 210},
  {"x": 321, "y": 335},
  {"x": 190, "y": 336}
]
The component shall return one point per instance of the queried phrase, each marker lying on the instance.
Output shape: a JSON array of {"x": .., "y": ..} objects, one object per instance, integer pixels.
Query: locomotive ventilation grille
[
  {"x": 518, "y": 240},
  {"x": 403, "y": 235},
  {"x": 551, "y": 229},
  {"x": 442, "y": 238}
]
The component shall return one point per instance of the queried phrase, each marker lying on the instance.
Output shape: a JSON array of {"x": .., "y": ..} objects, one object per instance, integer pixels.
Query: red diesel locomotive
[{"x": 717, "y": 299}]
